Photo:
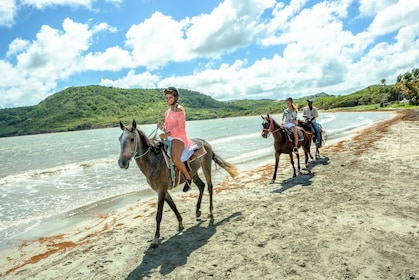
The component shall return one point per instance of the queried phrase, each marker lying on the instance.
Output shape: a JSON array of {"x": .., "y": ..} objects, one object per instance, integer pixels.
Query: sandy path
[{"x": 353, "y": 215}]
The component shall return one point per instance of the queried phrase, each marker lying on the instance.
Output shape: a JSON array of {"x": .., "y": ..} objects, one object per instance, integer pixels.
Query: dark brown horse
[
  {"x": 149, "y": 158},
  {"x": 283, "y": 145},
  {"x": 307, "y": 126}
]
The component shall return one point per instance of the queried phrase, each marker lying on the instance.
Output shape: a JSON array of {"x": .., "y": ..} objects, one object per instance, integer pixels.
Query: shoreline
[{"x": 29, "y": 260}]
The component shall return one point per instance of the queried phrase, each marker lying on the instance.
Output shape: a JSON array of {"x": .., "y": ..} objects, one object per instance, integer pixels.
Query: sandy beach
[{"x": 353, "y": 214}]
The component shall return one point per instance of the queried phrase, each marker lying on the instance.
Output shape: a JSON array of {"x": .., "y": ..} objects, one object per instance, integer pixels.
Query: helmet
[
  {"x": 310, "y": 100},
  {"x": 172, "y": 90},
  {"x": 289, "y": 99}
]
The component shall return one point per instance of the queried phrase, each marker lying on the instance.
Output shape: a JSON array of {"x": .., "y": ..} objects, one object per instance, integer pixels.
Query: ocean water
[{"x": 46, "y": 179}]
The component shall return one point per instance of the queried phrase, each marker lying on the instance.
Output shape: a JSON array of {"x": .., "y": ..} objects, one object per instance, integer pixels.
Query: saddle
[
  {"x": 291, "y": 135},
  {"x": 175, "y": 173}
]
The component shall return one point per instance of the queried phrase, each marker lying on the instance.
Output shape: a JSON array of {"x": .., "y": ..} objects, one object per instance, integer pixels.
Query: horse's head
[
  {"x": 129, "y": 142},
  {"x": 266, "y": 126}
]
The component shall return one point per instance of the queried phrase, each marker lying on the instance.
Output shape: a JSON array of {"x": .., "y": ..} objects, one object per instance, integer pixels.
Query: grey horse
[{"x": 149, "y": 158}]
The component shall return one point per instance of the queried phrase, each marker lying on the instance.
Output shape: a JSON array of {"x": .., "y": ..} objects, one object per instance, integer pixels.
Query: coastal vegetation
[{"x": 87, "y": 107}]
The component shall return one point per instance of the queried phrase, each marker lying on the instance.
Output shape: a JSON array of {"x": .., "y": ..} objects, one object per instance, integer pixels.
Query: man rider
[{"x": 310, "y": 114}]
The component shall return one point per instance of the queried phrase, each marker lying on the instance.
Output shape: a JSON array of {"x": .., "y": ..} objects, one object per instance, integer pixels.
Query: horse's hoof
[
  {"x": 198, "y": 213},
  {"x": 306, "y": 165},
  {"x": 295, "y": 175},
  {"x": 272, "y": 182},
  {"x": 154, "y": 245},
  {"x": 181, "y": 227},
  {"x": 210, "y": 215}
]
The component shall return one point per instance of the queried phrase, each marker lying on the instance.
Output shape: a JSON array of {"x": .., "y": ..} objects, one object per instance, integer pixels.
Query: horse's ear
[
  {"x": 262, "y": 117},
  {"x": 267, "y": 116},
  {"x": 121, "y": 125},
  {"x": 134, "y": 124}
]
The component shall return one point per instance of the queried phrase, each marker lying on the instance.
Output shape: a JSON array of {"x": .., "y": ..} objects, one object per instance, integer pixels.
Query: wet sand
[{"x": 353, "y": 214}]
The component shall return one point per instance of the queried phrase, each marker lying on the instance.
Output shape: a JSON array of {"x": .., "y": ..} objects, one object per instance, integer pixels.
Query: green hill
[{"x": 78, "y": 108}]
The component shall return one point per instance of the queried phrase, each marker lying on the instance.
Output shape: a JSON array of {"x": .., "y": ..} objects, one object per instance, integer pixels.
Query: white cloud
[
  {"x": 158, "y": 40},
  {"x": 393, "y": 17},
  {"x": 7, "y": 12},
  {"x": 161, "y": 39},
  {"x": 112, "y": 59},
  {"x": 233, "y": 24},
  {"x": 41, "y": 4},
  {"x": 142, "y": 80},
  {"x": 372, "y": 7},
  {"x": 16, "y": 46},
  {"x": 54, "y": 55},
  {"x": 116, "y": 3}
]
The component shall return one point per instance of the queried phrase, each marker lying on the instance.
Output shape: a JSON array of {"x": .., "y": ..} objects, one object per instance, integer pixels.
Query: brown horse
[
  {"x": 149, "y": 158},
  {"x": 307, "y": 126},
  {"x": 282, "y": 144}
]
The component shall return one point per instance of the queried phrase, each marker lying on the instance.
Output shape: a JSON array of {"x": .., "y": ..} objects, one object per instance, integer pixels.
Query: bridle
[
  {"x": 135, "y": 154},
  {"x": 270, "y": 130}
]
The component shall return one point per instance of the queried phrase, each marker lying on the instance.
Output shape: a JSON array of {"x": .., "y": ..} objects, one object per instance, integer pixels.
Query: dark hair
[
  {"x": 173, "y": 91},
  {"x": 292, "y": 103}
]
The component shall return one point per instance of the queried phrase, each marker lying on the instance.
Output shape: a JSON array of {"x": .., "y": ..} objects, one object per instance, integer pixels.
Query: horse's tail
[{"x": 230, "y": 168}]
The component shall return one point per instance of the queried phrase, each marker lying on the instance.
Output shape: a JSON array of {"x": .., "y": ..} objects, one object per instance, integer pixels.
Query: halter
[
  {"x": 271, "y": 127},
  {"x": 135, "y": 154}
]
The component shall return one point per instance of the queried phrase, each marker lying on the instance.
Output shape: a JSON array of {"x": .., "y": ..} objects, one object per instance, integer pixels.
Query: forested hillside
[{"x": 88, "y": 107}]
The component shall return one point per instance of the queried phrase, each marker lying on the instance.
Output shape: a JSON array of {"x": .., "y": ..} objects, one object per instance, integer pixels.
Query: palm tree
[{"x": 383, "y": 82}]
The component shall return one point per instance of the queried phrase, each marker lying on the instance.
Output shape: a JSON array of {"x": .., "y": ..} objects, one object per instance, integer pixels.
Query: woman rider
[
  {"x": 175, "y": 131},
  {"x": 289, "y": 120}
]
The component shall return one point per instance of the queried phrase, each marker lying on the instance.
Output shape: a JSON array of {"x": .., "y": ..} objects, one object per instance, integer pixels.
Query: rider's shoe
[
  {"x": 187, "y": 186},
  {"x": 295, "y": 150}
]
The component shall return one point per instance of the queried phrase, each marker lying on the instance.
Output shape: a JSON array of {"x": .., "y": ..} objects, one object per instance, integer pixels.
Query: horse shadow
[
  {"x": 303, "y": 179},
  {"x": 175, "y": 251}
]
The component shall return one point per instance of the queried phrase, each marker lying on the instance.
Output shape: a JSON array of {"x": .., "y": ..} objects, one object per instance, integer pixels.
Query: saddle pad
[
  {"x": 291, "y": 135},
  {"x": 197, "y": 154}
]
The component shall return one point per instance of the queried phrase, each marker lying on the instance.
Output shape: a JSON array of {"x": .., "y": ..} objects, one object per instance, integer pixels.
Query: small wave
[
  {"x": 327, "y": 119},
  {"x": 333, "y": 132},
  {"x": 253, "y": 155},
  {"x": 67, "y": 169},
  {"x": 234, "y": 138}
]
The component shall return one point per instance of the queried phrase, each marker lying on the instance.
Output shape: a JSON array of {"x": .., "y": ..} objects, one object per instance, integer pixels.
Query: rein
[{"x": 135, "y": 154}]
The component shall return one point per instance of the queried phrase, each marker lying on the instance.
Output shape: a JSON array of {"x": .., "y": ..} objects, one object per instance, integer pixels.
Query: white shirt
[{"x": 310, "y": 114}]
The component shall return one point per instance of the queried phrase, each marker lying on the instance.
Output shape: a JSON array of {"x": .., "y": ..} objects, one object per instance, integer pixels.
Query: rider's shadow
[
  {"x": 175, "y": 251},
  {"x": 304, "y": 178}
]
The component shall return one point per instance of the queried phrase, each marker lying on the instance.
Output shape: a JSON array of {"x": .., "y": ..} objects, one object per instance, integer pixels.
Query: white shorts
[
  {"x": 187, "y": 152},
  {"x": 289, "y": 125}
]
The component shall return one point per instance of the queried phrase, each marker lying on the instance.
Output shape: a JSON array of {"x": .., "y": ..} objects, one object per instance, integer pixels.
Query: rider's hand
[
  {"x": 160, "y": 125},
  {"x": 165, "y": 135}
]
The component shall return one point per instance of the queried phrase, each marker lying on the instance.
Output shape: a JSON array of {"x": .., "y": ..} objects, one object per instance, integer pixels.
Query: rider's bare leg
[{"x": 294, "y": 131}]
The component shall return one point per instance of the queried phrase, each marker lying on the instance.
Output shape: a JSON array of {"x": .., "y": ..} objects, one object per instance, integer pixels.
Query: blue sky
[{"x": 230, "y": 49}]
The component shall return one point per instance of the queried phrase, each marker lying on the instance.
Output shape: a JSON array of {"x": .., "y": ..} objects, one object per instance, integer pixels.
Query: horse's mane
[{"x": 281, "y": 129}]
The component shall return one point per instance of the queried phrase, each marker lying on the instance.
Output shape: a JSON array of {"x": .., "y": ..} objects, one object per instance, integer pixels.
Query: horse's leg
[
  {"x": 276, "y": 167},
  {"x": 159, "y": 215},
  {"x": 206, "y": 168},
  {"x": 298, "y": 162},
  {"x": 172, "y": 205},
  {"x": 292, "y": 163},
  {"x": 201, "y": 187}
]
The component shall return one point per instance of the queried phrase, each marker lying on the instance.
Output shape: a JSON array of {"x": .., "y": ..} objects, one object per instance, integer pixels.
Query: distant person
[
  {"x": 289, "y": 120},
  {"x": 174, "y": 128},
  {"x": 310, "y": 114}
]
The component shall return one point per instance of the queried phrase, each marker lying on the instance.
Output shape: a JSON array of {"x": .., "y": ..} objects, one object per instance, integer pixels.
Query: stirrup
[{"x": 295, "y": 150}]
